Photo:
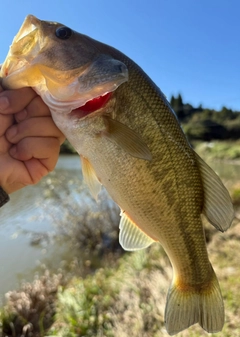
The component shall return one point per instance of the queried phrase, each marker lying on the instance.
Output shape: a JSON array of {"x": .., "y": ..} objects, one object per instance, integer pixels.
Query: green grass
[
  {"x": 221, "y": 150},
  {"x": 235, "y": 194},
  {"x": 117, "y": 301}
]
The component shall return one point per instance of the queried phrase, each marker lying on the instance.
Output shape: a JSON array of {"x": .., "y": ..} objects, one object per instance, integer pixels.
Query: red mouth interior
[{"x": 92, "y": 105}]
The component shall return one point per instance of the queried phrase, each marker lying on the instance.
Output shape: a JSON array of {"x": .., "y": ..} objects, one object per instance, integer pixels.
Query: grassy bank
[
  {"x": 129, "y": 299},
  {"x": 218, "y": 150}
]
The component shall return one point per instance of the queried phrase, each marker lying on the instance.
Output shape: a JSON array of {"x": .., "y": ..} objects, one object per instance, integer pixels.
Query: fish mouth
[
  {"x": 29, "y": 25},
  {"x": 25, "y": 46}
]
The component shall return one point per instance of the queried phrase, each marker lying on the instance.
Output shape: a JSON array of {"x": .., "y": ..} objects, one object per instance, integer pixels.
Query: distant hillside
[{"x": 207, "y": 124}]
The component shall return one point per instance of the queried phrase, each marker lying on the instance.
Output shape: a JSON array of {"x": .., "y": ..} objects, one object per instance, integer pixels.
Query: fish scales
[
  {"x": 132, "y": 144},
  {"x": 171, "y": 175},
  {"x": 180, "y": 172}
]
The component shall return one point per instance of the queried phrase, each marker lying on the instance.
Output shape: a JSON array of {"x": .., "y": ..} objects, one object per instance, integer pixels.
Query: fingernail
[
  {"x": 13, "y": 151},
  {"x": 12, "y": 132},
  {"x": 4, "y": 103}
]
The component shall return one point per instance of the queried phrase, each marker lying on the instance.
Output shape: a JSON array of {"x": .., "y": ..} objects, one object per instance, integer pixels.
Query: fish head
[{"x": 67, "y": 69}]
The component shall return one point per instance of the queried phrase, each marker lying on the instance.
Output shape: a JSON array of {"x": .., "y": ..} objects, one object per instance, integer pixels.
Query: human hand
[{"x": 29, "y": 140}]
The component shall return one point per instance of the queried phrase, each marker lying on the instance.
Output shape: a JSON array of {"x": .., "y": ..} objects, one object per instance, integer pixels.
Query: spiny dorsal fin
[
  {"x": 218, "y": 207},
  {"x": 90, "y": 177},
  {"x": 126, "y": 138},
  {"x": 131, "y": 237}
]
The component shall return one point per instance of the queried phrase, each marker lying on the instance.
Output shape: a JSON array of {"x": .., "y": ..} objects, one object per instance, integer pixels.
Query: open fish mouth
[
  {"x": 29, "y": 25},
  {"x": 25, "y": 46}
]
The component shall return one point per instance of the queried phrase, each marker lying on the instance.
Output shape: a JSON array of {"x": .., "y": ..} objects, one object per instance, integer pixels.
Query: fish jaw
[{"x": 24, "y": 48}]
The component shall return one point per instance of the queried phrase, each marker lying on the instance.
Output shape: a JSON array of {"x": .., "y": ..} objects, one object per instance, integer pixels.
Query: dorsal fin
[
  {"x": 90, "y": 177},
  {"x": 131, "y": 237},
  {"x": 218, "y": 207}
]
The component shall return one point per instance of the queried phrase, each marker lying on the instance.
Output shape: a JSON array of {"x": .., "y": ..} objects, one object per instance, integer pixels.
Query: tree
[{"x": 177, "y": 105}]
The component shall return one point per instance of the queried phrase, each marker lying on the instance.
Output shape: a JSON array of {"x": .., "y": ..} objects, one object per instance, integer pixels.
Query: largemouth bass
[{"x": 130, "y": 141}]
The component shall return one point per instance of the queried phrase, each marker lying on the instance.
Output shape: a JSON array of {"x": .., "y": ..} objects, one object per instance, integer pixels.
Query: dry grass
[
  {"x": 127, "y": 300},
  {"x": 130, "y": 300},
  {"x": 30, "y": 311}
]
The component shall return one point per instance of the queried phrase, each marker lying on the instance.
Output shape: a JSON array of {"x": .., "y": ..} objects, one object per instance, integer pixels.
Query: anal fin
[
  {"x": 90, "y": 177},
  {"x": 131, "y": 237}
]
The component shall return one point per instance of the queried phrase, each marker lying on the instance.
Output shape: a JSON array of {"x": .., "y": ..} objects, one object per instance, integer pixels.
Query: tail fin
[{"x": 203, "y": 305}]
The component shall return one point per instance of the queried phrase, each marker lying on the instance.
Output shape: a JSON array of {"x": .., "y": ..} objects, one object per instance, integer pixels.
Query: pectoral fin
[
  {"x": 218, "y": 207},
  {"x": 90, "y": 177},
  {"x": 127, "y": 139},
  {"x": 131, "y": 237}
]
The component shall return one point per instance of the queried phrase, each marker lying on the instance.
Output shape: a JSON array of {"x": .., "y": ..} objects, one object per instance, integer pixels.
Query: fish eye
[{"x": 63, "y": 33}]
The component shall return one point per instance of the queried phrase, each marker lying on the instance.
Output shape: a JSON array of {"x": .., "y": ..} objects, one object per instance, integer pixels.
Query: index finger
[
  {"x": 36, "y": 108},
  {"x": 13, "y": 101}
]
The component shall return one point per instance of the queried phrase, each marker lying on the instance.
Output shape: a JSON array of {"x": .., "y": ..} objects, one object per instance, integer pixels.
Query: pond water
[
  {"x": 27, "y": 218},
  {"x": 31, "y": 216}
]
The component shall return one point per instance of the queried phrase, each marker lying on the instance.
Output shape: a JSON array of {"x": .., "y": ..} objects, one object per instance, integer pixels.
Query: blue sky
[{"x": 186, "y": 46}]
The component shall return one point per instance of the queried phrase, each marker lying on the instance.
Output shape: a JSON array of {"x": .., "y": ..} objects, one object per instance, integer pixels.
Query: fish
[{"x": 130, "y": 141}]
